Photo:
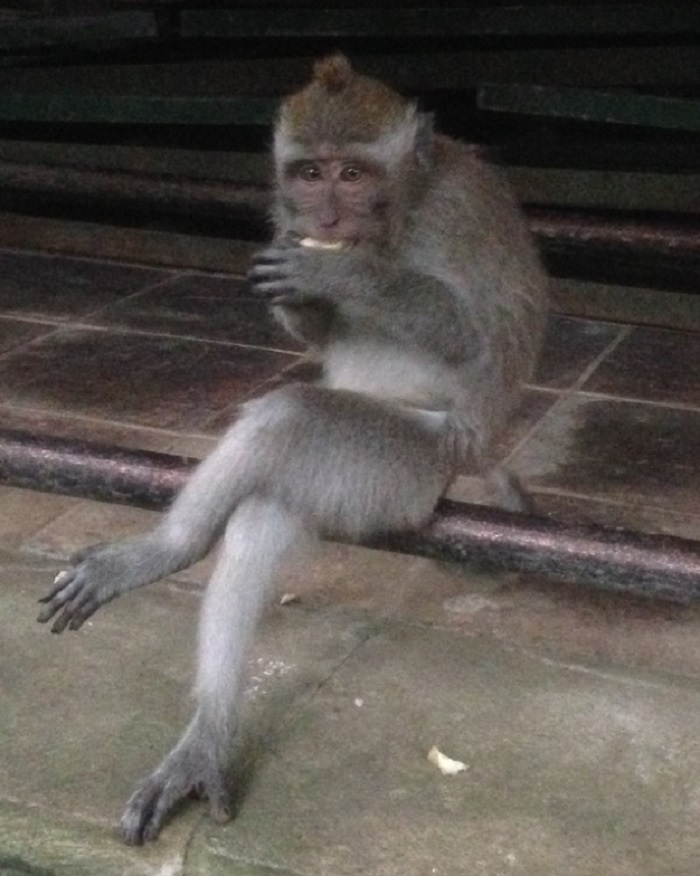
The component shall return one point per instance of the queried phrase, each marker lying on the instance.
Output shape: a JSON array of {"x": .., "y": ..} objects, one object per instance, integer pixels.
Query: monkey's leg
[
  {"x": 323, "y": 459},
  {"x": 257, "y": 537},
  {"x": 195, "y": 520}
]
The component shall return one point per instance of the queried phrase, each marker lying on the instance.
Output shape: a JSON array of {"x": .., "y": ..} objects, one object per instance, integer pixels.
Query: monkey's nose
[{"x": 328, "y": 219}]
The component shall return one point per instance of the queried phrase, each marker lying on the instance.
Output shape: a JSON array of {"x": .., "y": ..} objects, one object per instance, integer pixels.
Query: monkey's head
[{"x": 347, "y": 151}]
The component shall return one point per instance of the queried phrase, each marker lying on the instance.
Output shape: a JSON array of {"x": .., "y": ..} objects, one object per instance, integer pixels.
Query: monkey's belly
[{"x": 406, "y": 377}]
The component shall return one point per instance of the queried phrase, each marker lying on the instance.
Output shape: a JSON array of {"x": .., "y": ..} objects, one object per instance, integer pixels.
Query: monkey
[{"x": 401, "y": 259}]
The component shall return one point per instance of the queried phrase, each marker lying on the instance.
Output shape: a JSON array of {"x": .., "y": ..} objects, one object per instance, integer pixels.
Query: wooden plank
[
  {"x": 657, "y": 252},
  {"x": 136, "y": 109},
  {"x": 626, "y": 304},
  {"x": 192, "y": 164},
  {"x": 415, "y": 72},
  {"x": 574, "y": 20},
  {"x": 605, "y": 189},
  {"x": 137, "y": 199},
  {"x": 622, "y": 108},
  {"x": 41, "y": 32},
  {"x": 145, "y": 246}
]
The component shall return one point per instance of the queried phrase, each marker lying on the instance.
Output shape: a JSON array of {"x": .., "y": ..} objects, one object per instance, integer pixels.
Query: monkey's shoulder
[
  {"x": 468, "y": 207},
  {"x": 466, "y": 174}
]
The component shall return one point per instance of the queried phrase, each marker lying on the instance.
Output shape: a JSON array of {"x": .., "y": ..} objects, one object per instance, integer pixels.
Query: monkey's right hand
[
  {"x": 277, "y": 270},
  {"x": 289, "y": 274},
  {"x": 99, "y": 574}
]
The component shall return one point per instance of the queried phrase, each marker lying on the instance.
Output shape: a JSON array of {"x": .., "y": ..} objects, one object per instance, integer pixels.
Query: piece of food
[
  {"x": 313, "y": 243},
  {"x": 445, "y": 764}
]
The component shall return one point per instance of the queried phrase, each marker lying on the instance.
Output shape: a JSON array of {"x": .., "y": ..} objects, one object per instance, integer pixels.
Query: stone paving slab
[
  {"x": 573, "y": 769},
  {"x": 25, "y": 513},
  {"x": 85, "y": 715}
]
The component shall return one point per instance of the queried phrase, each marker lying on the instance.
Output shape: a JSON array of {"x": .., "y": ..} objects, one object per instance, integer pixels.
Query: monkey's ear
[{"x": 425, "y": 135}]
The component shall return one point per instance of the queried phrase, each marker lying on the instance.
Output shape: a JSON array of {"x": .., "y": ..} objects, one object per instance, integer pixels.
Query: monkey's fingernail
[{"x": 61, "y": 577}]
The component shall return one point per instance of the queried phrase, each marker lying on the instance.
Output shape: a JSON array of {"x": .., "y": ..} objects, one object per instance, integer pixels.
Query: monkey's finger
[
  {"x": 67, "y": 585},
  {"x": 264, "y": 273},
  {"x": 260, "y": 274},
  {"x": 83, "y": 613},
  {"x": 274, "y": 288},
  {"x": 77, "y": 605},
  {"x": 61, "y": 621},
  {"x": 278, "y": 258},
  {"x": 73, "y": 616},
  {"x": 83, "y": 607},
  {"x": 54, "y": 603},
  {"x": 46, "y": 613},
  {"x": 268, "y": 267},
  {"x": 60, "y": 582}
]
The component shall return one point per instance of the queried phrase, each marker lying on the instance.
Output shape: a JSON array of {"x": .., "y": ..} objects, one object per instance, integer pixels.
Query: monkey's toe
[
  {"x": 138, "y": 823},
  {"x": 220, "y": 809}
]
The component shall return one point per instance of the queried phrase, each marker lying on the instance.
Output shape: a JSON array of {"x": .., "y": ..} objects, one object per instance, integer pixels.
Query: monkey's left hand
[{"x": 285, "y": 273}]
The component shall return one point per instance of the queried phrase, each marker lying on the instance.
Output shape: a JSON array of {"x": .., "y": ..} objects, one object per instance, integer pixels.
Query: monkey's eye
[
  {"x": 351, "y": 173},
  {"x": 310, "y": 172}
]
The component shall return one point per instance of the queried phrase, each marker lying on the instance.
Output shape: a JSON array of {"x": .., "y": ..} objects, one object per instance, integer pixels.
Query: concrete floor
[{"x": 577, "y": 713}]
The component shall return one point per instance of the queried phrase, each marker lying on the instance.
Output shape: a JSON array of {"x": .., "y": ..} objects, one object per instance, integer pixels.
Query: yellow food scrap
[
  {"x": 445, "y": 764},
  {"x": 313, "y": 243}
]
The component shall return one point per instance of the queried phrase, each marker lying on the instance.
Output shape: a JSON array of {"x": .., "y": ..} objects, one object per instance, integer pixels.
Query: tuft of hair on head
[{"x": 334, "y": 72}]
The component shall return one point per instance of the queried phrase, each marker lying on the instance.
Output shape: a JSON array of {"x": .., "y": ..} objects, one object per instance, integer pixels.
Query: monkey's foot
[{"x": 187, "y": 771}]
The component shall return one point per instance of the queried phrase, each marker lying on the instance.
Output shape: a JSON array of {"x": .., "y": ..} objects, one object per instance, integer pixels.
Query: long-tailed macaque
[{"x": 402, "y": 261}]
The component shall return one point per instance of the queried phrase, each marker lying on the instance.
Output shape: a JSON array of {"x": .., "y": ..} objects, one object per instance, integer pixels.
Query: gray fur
[{"x": 426, "y": 331}]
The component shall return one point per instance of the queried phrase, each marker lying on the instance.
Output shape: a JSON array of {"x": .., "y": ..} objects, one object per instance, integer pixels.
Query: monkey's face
[{"x": 336, "y": 199}]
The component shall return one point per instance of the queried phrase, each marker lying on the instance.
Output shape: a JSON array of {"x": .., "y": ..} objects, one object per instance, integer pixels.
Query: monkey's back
[{"x": 469, "y": 231}]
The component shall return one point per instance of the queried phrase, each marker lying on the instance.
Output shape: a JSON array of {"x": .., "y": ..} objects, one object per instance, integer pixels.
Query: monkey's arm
[
  {"x": 103, "y": 572},
  {"x": 358, "y": 288},
  {"x": 309, "y": 321}
]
